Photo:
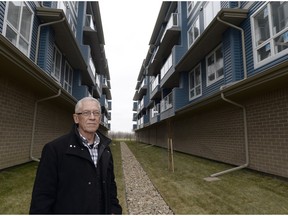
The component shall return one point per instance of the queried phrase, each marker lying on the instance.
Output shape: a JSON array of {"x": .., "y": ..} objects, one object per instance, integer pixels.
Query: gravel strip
[{"x": 142, "y": 197}]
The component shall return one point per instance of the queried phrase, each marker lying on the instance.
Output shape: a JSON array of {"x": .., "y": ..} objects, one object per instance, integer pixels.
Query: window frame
[
  {"x": 191, "y": 32},
  {"x": 195, "y": 85},
  {"x": 17, "y": 30},
  {"x": 215, "y": 7},
  {"x": 190, "y": 6},
  {"x": 268, "y": 43},
  {"x": 53, "y": 73},
  {"x": 206, "y": 63},
  {"x": 68, "y": 83}
]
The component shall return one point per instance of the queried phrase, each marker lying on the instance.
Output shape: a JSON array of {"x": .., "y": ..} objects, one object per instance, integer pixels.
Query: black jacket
[{"x": 66, "y": 178}]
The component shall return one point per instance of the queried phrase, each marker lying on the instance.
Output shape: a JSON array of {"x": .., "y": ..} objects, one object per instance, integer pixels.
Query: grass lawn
[
  {"x": 16, "y": 185},
  {"x": 185, "y": 191},
  {"x": 116, "y": 151}
]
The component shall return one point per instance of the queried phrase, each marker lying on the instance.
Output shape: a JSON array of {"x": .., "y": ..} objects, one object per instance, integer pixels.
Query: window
[
  {"x": 270, "y": 32},
  {"x": 56, "y": 68},
  {"x": 68, "y": 78},
  {"x": 18, "y": 26},
  {"x": 210, "y": 11},
  {"x": 195, "y": 83},
  {"x": 190, "y": 5},
  {"x": 194, "y": 32},
  {"x": 214, "y": 66}
]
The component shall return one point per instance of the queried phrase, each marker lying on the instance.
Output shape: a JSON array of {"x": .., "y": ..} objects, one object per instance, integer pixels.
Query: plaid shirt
[{"x": 93, "y": 148}]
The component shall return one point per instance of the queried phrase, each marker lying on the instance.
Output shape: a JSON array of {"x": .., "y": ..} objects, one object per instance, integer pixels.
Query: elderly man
[{"x": 76, "y": 172}]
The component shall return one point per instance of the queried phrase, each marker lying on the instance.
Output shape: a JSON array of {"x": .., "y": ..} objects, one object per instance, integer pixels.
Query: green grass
[
  {"x": 185, "y": 191},
  {"x": 119, "y": 178},
  {"x": 16, "y": 187}
]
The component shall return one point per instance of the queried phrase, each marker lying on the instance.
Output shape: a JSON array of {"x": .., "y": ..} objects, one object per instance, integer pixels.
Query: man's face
[{"x": 88, "y": 117}]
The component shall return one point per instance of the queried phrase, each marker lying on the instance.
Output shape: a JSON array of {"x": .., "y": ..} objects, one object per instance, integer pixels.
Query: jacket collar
[{"x": 104, "y": 141}]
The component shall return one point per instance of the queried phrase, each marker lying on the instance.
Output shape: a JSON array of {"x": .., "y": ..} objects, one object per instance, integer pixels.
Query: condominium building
[
  {"x": 214, "y": 83},
  {"x": 51, "y": 54}
]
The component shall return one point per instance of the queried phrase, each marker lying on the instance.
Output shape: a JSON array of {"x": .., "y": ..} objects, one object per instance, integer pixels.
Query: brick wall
[
  {"x": 218, "y": 133},
  {"x": 268, "y": 132},
  {"x": 16, "y": 120}
]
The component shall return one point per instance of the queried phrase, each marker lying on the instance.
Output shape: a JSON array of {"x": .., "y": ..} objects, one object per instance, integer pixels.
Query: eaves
[
  {"x": 17, "y": 66},
  {"x": 273, "y": 78}
]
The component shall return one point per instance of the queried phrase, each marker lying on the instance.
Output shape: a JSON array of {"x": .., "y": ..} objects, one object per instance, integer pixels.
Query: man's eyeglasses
[{"x": 88, "y": 113}]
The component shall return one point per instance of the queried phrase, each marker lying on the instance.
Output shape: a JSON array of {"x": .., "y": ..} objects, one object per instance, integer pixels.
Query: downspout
[
  {"x": 243, "y": 44},
  {"x": 38, "y": 36},
  {"x": 238, "y": 105},
  {"x": 34, "y": 122},
  {"x": 245, "y": 136}
]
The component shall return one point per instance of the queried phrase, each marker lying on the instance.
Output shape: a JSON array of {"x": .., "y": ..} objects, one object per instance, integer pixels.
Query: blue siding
[
  {"x": 78, "y": 91},
  {"x": 46, "y": 45},
  {"x": 181, "y": 95},
  {"x": 232, "y": 50},
  {"x": 34, "y": 32},
  {"x": 248, "y": 39}
]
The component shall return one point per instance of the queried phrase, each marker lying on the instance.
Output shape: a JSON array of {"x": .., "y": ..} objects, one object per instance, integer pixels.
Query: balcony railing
[
  {"x": 141, "y": 105},
  {"x": 105, "y": 121},
  {"x": 92, "y": 66},
  {"x": 89, "y": 21},
  {"x": 143, "y": 83},
  {"x": 97, "y": 79},
  {"x": 168, "y": 64},
  {"x": 140, "y": 122},
  {"x": 155, "y": 83},
  {"x": 173, "y": 22},
  {"x": 155, "y": 110},
  {"x": 154, "y": 54},
  {"x": 167, "y": 102}
]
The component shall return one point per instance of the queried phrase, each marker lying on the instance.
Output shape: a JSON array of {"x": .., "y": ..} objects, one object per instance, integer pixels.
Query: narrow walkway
[{"x": 142, "y": 197}]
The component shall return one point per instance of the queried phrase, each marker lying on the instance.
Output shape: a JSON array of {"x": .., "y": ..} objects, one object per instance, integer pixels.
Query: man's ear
[{"x": 76, "y": 118}]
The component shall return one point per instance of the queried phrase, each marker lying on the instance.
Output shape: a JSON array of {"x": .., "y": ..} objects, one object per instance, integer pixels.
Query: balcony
[
  {"x": 143, "y": 87},
  {"x": 169, "y": 77},
  {"x": 167, "y": 65},
  {"x": 155, "y": 114},
  {"x": 104, "y": 104},
  {"x": 104, "y": 121},
  {"x": 172, "y": 28},
  {"x": 135, "y": 105},
  {"x": 169, "y": 39},
  {"x": 166, "y": 106},
  {"x": 109, "y": 105},
  {"x": 166, "y": 102},
  {"x": 109, "y": 116},
  {"x": 134, "y": 116},
  {"x": 91, "y": 68},
  {"x": 96, "y": 89},
  {"x": 155, "y": 88},
  {"x": 106, "y": 86},
  {"x": 141, "y": 105},
  {"x": 89, "y": 23},
  {"x": 94, "y": 37}
]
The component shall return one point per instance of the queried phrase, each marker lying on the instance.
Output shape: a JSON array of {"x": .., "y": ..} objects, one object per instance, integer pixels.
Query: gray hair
[{"x": 78, "y": 105}]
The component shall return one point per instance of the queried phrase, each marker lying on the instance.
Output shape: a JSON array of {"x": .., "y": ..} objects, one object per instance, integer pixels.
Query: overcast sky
[{"x": 127, "y": 26}]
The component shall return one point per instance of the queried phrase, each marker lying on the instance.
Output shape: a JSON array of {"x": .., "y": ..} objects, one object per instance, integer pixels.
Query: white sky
[{"x": 127, "y": 26}]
